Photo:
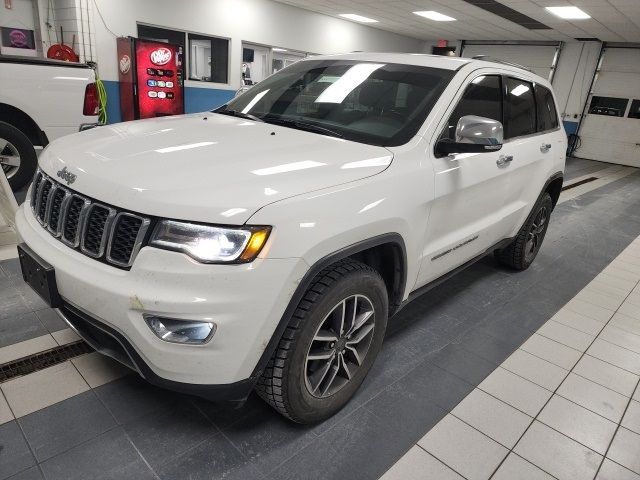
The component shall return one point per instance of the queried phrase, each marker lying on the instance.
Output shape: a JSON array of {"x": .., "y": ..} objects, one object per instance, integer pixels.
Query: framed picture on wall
[
  {"x": 17, "y": 41},
  {"x": 18, "y": 38}
]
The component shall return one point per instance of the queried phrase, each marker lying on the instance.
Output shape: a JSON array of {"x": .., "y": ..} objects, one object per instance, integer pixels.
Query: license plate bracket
[{"x": 39, "y": 275}]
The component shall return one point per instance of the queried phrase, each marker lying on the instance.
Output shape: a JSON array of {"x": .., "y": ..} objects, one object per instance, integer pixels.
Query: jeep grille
[{"x": 95, "y": 229}]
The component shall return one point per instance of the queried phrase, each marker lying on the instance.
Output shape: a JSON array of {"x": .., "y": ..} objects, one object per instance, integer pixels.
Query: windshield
[{"x": 374, "y": 103}]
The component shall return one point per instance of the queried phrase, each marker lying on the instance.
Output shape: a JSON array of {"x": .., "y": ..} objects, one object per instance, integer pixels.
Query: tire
[
  {"x": 521, "y": 253},
  {"x": 16, "y": 145},
  {"x": 293, "y": 381}
]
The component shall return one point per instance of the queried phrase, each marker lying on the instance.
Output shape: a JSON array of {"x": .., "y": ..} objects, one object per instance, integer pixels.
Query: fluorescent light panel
[
  {"x": 568, "y": 13},
  {"x": 358, "y": 18},
  {"x": 435, "y": 16}
]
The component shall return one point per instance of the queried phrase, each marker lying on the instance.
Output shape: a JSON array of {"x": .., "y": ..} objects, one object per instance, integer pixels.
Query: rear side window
[
  {"x": 520, "y": 114},
  {"x": 547, "y": 116},
  {"x": 483, "y": 97},
  {"x": 635, "y": 109}
]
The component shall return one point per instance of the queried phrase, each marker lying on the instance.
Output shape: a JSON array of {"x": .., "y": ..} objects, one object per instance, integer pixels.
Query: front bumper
[
  {"x": 245, "y": 301},
  {"x": 112, "y": 343}
]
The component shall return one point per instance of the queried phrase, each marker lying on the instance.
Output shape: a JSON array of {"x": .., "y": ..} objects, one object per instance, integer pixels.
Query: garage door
[
  {"x": 610, "y": 130},
  {"x": 538, "y": 58}
]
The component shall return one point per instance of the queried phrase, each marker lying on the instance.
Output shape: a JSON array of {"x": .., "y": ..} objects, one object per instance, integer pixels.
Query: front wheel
[
  {"x": 18, "y": 158},
  {"x": 329, "y": 345},
  {"x": 520, "y": 253}
]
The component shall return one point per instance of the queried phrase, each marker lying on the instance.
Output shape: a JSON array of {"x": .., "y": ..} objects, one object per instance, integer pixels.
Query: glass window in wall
[
  {"x": 208, "y": 59},
  {"x": 609, "y": 106},
  {"x": 634, "y": 111}
]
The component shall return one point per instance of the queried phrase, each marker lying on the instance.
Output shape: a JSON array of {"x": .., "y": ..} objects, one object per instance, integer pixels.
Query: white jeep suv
[{"x": 266, "y": 244}]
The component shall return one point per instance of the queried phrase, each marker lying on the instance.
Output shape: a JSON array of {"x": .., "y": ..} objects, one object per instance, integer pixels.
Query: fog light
[{"x": 176, "y": 330}]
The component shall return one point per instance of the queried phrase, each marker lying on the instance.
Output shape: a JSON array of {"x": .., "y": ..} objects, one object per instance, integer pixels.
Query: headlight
[{"x": 210, "y": 244}]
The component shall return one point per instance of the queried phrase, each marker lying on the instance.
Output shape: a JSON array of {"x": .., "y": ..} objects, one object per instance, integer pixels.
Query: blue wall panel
[
  {"x": 195, "y": 99},
  {"x": 570, "y": 127},
  {"x": 113, "y": 101},
  {"x": 201, "y": 99}
]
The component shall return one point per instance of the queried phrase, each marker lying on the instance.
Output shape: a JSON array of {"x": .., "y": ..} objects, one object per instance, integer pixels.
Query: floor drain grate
[
  {"x": 577, "y": 184},
  {"x": 40, "y": 361}
]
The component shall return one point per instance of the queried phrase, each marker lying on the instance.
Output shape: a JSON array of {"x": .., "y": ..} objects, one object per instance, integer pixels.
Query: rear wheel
[
  {"x": 18, "y": 158},
  {"x": 521, "y": 253},
  {"x": 329, "y": 345}
]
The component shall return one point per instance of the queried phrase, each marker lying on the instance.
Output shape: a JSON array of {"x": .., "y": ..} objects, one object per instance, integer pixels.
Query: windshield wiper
[
  {"x": 300, "y": 125},
  {"x": 236, "y": 113}
]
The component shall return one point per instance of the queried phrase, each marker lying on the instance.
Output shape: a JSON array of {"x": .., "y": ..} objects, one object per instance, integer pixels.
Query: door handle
[
  {"x": 545, "y": 147},
  {"x": 504, "y": 160}
]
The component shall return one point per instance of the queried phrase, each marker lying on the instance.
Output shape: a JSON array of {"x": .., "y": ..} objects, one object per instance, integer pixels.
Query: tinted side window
[
  {"x": 635, "y": 109},
  {"x": 547, "y": 116},
  {"x": 520, "y": 115},
  {"x": 483, "y": 97}
]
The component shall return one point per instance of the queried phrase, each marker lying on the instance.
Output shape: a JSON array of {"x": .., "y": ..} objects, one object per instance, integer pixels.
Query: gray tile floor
[
  {"x": 439, "y": 348},
  {"x": 560, "y": 406}
]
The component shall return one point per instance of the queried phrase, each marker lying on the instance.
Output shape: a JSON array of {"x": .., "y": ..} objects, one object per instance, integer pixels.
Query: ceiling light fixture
[
  {"x": 276, "y": 49},
  {"x": 358, "y": 18},
  {"x": 435, "y": 16},
  {"x": 568, "y": 13}
]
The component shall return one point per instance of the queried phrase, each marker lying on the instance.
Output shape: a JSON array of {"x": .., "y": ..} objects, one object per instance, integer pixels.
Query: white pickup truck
[{"x": 41, "y": 100}]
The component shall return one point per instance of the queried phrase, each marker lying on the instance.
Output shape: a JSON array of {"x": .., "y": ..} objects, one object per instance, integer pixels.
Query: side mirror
[{"x": 474, "y": 134}]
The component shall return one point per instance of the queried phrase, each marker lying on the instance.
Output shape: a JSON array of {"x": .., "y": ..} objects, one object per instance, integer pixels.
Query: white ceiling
[{"x": 612, "y": 20}]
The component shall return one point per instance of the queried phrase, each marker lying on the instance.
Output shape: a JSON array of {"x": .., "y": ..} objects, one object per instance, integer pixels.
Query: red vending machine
[{"x": 151, "y": 78}]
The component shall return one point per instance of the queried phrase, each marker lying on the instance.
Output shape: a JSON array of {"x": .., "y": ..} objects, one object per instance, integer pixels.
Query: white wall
[
  {"x": 75, "y": 17},
  {"x": 19, "y": 16},
  {"x": 22, "y": 15},
  {"x": 258, "y": 21}
]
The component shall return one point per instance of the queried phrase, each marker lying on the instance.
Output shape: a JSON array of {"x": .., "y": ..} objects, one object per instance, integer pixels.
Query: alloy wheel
[
  {"x": 536, "y": 233},
  {"x": 9, "y": 158},
  {"x": 339, "y": 346}
]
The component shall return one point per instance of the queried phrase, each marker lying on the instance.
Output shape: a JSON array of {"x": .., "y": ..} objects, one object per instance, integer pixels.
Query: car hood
[{"x": 206, "y": 167}]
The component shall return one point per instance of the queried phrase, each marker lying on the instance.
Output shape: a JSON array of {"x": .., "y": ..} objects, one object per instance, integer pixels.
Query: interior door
[
  {"x": 610, "y": 130},
  {"x": 467, "y": 214}
]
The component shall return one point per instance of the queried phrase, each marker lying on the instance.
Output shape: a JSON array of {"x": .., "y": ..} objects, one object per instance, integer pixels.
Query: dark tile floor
[
  {"x": 438, "y": 349},
  {"x": 23, "y": 315}
]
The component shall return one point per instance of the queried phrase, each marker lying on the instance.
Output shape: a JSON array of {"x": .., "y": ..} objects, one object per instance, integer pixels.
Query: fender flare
[{"x": 393, "y": 238}]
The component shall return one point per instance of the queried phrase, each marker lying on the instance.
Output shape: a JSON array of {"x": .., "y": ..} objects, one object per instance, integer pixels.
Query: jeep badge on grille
[{"x": 67, "y": 176}]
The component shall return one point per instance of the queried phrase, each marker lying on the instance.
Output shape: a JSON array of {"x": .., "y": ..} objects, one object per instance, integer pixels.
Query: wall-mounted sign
[{"x": 17, "y": 38}]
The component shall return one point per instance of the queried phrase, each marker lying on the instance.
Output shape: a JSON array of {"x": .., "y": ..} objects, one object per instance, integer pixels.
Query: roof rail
[{"x": 489, "y": 58}]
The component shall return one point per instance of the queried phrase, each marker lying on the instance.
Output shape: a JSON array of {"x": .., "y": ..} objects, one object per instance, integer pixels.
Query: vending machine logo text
[
  {"x": 125, "y": 64},
  {"x": 161, "y": 56}
]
